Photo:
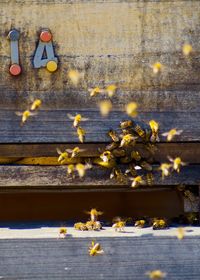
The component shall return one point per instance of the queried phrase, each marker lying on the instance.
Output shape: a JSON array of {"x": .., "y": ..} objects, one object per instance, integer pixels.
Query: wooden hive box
[{"x": 111, "y": 42}]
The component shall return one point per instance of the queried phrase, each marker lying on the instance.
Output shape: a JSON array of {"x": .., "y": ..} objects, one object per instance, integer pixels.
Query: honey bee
[
  {"x": 119, "y": 226},
  {"x": 170, "y": 134},
  {"x": 80, "y": 226},
  {"x": 95, "y": 91},
  {"x": 81, "y": 134},
  {"x": 159, "y": 224},
  {"x": 192, "y": 218},
  {"x": 136, "y": 155},
  {"x": 180, "y": 233},
  {"x": 119, "y": 152},
  {"x": 96, "y": 225},
  {"x": 157, "y": 67},
  {"x": 126, "y": 124},
  {"x": 77, "y": 119},
  {"x": 140, "y": 223},
  {"x": 106, "y": 156},
  {"x": 109, "y": 164},
  {"x": 131, "y": 109},
  {"x": 36, "y": 104},
  {"x": 137, "y": 181},
  {"x": 75, "y": 152},
  {"x": 187, "y": 49},
  {"x": 70, "y": 170},
  {"x": 62, "y": 232},
  {"x": 113, "y": 135},
  {"x": 127, "y": 139},
  {"x": 111, "y": 89},
  {"x": 75, "y": 76},
  {"x": 132, "y": 170},
  {"x": 94, "y": 214},
  {"x": 177, "y": 163},
  {"x": 63, "y": 156},
  {"x": 112, "y": 146},
  {"x": 154, "y": 129},
  {"x": 95, "y": 249},
  {"x": 145, "y": 165},
  {"x": 24, "y": 116},
  {"x": 118, "y": 175},
  {"x": 141, "y": 132},
  {"x": 165, "y": 169},
  {"x": 105, "y": 107},
  {"x": 156, "y": 274},
  {"x": 81, "y": 169},
  {"x": 149, "y": 179}
]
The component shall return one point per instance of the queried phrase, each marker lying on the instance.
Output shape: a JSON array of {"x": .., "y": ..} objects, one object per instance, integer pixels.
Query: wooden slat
[
  {"x": 54, "y": 126},
  {"x": 56, "y": 177}
]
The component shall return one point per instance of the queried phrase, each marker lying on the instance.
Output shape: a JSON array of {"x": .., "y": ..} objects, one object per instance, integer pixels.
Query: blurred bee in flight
[
  {"x": 110, "y": 90},
  {"x": 36, "y": 104},
  {"x": 95, "y": 91},
  {"x": 25, "y": 116},
  {"x": 170, "y": 134},
  {"x": 75, "y": 76},
  {"x": 137, "y": 181},
  {"x": 94, "y": 214},
  {"x": 81, "y": 134},
  {"x": 75, "y": 152},
  {"x": 105, "y": 107},
  {"x": 81, "y": 168},
  {"x": 63, "y": 156},
  {"x": 131, "y": 109},
  {"x": 70, "y": 170},
  {"x": 157, "y": 67},
  {"x": 177, "y": 163},
  {"x": 187, "y": 49},
  {"x": 76, "y": 119},
  {"x": 165, "y": 169},
  {"x": 156, "y": 274},
  {"x": 180, "y": 233},
  {"x": 154, "y": 130},
  {"x": 95, "y": 249}
]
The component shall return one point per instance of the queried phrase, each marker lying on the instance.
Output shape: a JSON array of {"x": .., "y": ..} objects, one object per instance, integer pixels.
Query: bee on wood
[
  {"x": 109, "y": 164},
  {"x": 106, "y": 156},
  {"x": 136, "y": 155},
  {"x": 131, "y": 109},
  {"x": 177, "y": 163},
  {"x": 157, "y": 67},
  {"x": 94, "y": 214},
  {"x": 81, "y": 169},
  {"x": 141, "y": 132},
  {"x": 118, "y": 175},
  {"x": 93, "y": 225},
  {"x": 80, "y": 226},
  {"x": 113, "y": 135},
  {"x": 127, "y": 140},
  {"x": 76, "y": 119},
  {"x": 149, "y": 179},
  {"x": 137, "y": 181},
  {"x": 95, "y": 249},
  {"x": 126, "y": 124},
  {"x": 154, "y": 131},
  {"x": 110, "y": 90},
  {"x": 62, "y": 232},
  {"x": 25, "y": 116},
  {"x": 165, "y": 169},
  {"x": 119, "y": 224},
  {"x": 63, "y": 156},
  {"x": 132, "y": 169},
  {"x": 145, "y": 165},
  {"x": 156, "y": 274},
  {"x": 119, "y": 152},
  {"x": 170, "y": 134},
  {"x": 105, "y": 107},
  {"x": 75, "y": 152},
  {"x": 159, "y": 224},
  {"x": 36, "y": 104},
  {"x": 70, "y": 170},
  {"x": 81, "y": 134},
  {"x": 95, "y": 91},
  {"x": 140, "y": 223}
]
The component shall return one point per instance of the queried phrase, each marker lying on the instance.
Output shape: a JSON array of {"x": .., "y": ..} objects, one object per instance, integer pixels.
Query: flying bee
[
  {"x": 149, "y": 179},
  {"x": 131, "y": 109},
  {"x": 145, "y": 165},
  {"x": 154, "y": 129},
  {"x": 140, "y": 223},
  {"x": 127, "y": 139},
  {"x": 136, "y": 155},
  {"x": 75, "y": 76},
  {"x": 94, "y": 214},
  {"x": 62, "y": 232},
  {"x": 36, "y": 104},
  {"x": 113, "y": 135},
  {"x": 141, "y": 132},
  {"x": 112, "y": 146},
  {"x": 118, "y": 175},
  {"x": 109, "y": 164},
  {"x": 165, "y": 169},
  {"x": 75, "y": 152},
  {"x": 157, "y": 67},
  {"x": 180, "y": 233},
  {"x": 81, "y": 134},
  {"x": 95, "y": 249},
  {"x": 137, "y": 181},
  {"x": 106, "y": 156},
  {"x": 159, "y": 224},
  {"x": 110, "y": 90},
  {"x": 80, "y": 226},
  {"x": 70, "y": 170},
  {"x": 77, "y": 119},
  {"x": 187, "y": 49},
  {"x": 81, "y": 169},
  {"x": 126, "y": 124},
  {"x": 170, "y": 134},
  {"x": 119, "y": 152},
  {"x": 177, "y": 163},
  {"x": 62, "y": 156},
  {"x": 156, "y": 274},
  {"x": 105, "y": 107},
  {"x": 25, "y": 115},
  {"x": 95, "y": 91}
]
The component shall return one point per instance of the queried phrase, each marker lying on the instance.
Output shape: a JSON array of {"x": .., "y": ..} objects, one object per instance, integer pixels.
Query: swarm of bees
[{"x": 92, "y": 224}]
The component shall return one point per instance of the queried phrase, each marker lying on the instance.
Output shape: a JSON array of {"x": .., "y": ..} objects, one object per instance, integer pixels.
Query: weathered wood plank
[
  {"x": 189, "y": 152},
  {"x": 56, "y": 177},
  {"x": 69, "y": 259},
  {"x": 54, "y": 126},
  {"x": 111, "y": 41}
]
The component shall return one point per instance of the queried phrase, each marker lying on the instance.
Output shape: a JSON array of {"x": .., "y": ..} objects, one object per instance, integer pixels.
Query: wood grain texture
[
  {"x": 55, "y": 127},
  {"x": 69, "y": 259},
  {"x": 56, "y": 177}
]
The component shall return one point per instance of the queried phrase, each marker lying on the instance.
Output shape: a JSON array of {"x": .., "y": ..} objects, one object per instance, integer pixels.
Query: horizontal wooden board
[
  {"x": 189, "y": 152},
  {"x": 56, "y": 177},
  {"x": 68, "y": 259},
  {"x": 55, "y": 127},
  {"x": 111, "y": 41}
]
